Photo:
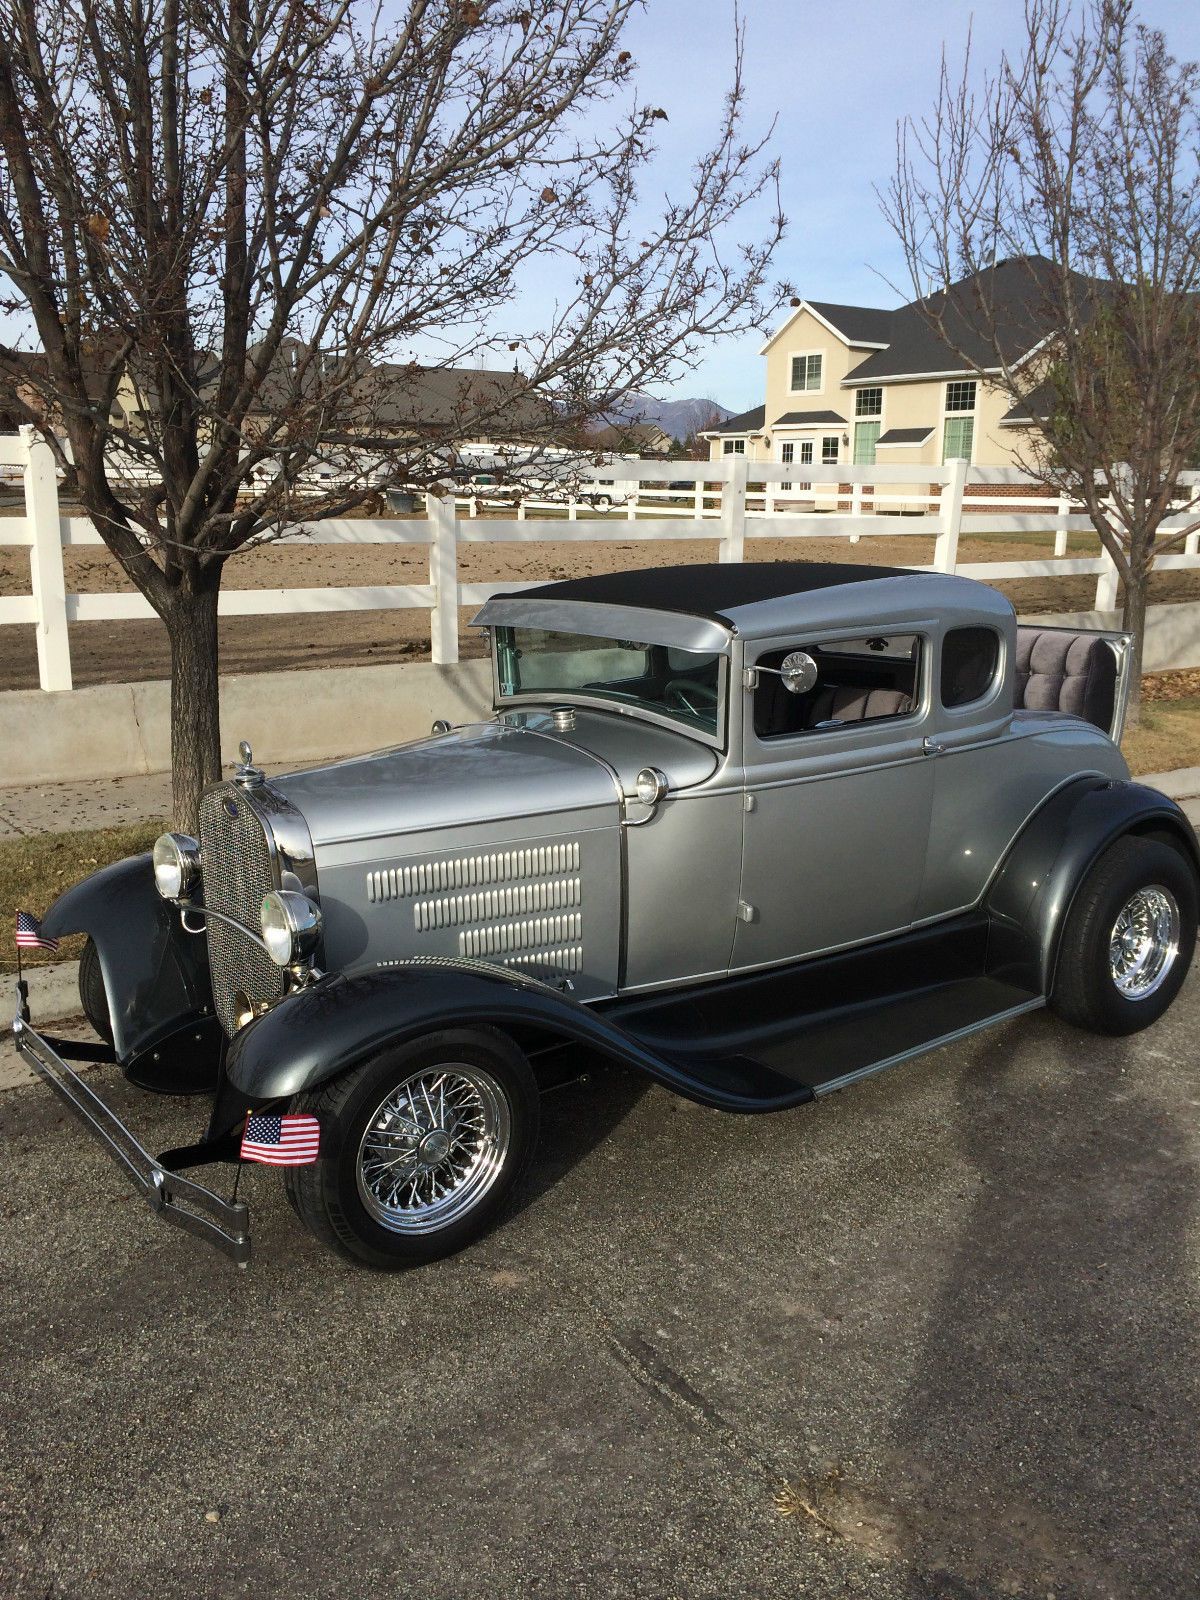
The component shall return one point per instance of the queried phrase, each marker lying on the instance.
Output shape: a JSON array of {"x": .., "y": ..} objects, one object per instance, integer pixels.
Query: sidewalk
[{"x": 93, "y": 803}]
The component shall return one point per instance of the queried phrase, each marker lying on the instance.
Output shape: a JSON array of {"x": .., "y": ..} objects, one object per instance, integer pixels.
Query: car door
[{"x": 838, "y": 788}]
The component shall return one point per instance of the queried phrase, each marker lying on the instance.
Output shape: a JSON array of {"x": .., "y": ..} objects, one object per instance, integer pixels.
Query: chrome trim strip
[
  {"x": 933, "y": 1044},
  {"x": 221, "y": 1223}
]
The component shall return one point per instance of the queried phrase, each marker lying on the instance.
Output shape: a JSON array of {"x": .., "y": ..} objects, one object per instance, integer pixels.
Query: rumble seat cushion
[{"x": 1072, "y": 672}]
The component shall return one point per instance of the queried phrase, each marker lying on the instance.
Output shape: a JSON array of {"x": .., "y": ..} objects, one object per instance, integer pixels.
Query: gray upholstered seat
[
  {"x": 1061, "y": 671},
  {"x": 849, "y": 704}
]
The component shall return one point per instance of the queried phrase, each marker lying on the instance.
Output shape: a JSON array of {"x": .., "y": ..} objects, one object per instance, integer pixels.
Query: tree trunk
[
  {"x": 1133, "y": 620},
  {"x": 195, "y": 707}
]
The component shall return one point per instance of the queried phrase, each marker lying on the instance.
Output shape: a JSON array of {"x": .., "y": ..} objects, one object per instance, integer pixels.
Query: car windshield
[{"x": 681, "y": 684}]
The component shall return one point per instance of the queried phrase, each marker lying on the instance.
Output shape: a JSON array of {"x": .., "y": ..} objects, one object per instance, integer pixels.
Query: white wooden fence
[{"x": 731, "y": 501}]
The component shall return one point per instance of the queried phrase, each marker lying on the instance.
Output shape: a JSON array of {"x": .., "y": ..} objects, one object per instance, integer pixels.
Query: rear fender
[
  {"x": 155, "y": 975},
  {"x": 1032, "y": 893},
  {"x": 319, "y": 1032}
]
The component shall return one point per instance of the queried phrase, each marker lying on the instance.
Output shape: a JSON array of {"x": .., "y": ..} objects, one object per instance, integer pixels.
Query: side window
[
  {"x": 858, "y": 680},
  {"x": 970, "y": 657}
]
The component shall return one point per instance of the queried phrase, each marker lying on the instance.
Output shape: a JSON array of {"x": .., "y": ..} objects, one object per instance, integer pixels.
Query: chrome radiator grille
[{"x": 237, "y": 868}]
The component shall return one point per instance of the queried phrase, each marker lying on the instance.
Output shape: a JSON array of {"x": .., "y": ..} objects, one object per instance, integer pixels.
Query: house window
[
  {"x": 829, "y": 448},
  {"x": 806, "y": 373},
  {"x": 806, "y": 452},
  {"x": 735, "y": 447},
  {"x": 869, "y": 403},
  {"x": 866, "y": 435},
  {"x": 787, "y": 453},
  {"x": 958, "y": 436},
  {"x": 960, "y": 396}
]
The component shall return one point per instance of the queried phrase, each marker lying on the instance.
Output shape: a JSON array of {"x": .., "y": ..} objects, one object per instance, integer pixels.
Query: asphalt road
[{"x": 955, "y": 1306}]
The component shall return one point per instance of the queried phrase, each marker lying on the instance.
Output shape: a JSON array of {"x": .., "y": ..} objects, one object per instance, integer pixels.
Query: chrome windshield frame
[{"x": 547, "y": 698}]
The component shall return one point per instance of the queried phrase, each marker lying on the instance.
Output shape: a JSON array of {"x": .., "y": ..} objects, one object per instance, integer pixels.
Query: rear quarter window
[{"x": 970, "y": 657}]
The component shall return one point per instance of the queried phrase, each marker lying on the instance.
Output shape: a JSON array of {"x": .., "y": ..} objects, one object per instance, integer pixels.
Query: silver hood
[{"x": 473, "y": 775}]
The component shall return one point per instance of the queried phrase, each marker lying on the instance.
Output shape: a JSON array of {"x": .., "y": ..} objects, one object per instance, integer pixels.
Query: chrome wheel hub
[
  {"x": 1144, "y": 942},
  {"x": 433, "y": 1148}
]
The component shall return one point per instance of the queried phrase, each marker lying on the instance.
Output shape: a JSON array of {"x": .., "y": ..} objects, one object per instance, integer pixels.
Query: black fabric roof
[
  {"x": 905, "y": 435},
  {"x": 858, "y": 324},
  {"x": 708, "y": 589},
  {"x": 799, "y": 418},
  {"x": 745, "y": 421}
]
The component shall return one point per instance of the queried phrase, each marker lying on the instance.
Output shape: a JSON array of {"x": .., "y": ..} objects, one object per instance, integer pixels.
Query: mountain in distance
[{"x": 677, "y": 418}]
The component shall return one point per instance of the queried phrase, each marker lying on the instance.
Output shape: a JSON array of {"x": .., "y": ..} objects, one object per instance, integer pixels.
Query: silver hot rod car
[{"x": 753, "y": 831}]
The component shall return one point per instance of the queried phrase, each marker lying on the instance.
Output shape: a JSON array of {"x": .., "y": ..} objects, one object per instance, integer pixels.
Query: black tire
[
  {"x": 92, "y": 995},
  {"x": 1085, "y": 991},
  {"x": 327, "y": 1196}
]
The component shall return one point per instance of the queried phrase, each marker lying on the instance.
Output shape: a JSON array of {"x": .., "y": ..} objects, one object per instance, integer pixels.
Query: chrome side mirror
[
  {"x": 798, "y": 671},
  {"x": 650, "y": 787}
]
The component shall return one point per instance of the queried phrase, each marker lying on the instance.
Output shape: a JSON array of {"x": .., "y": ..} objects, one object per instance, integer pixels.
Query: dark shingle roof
[
  {"x": 1036, "y": 405},
  {"x": 1012, "y": 293},
  {"x": 745, "y": 421},
  {"x": 856, "y": 324},
  {"x": 799, "y": 419},
  {"x": 905, "y": 435}
]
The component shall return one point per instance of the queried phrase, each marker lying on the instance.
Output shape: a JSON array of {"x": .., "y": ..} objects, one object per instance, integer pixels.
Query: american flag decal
[
  {"x": 289, "y": 1141},
  {"x": 30, "y": 936}
]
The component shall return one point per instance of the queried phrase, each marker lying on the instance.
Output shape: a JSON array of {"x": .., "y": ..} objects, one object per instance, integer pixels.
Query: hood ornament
[{"x": 247, "y": 774}]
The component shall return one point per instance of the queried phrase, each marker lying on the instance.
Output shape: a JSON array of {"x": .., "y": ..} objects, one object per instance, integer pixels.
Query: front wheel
[
  {"x": 420, "y": 1147},
  {"x": 1128, "y": 939}
]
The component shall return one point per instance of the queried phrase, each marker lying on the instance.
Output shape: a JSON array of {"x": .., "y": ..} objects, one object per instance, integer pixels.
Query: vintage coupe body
[{"x": 754, "y": 831}]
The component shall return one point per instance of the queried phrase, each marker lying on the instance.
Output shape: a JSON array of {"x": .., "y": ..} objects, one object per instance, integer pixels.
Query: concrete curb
[
  {"x": 53, "y": 990},
  {"x": 53, "y": 997},
  {"x": 1181, "y": 784}
]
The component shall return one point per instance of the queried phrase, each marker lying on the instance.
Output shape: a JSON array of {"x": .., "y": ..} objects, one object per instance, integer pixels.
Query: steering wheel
[{"x": 685, "y": 694}]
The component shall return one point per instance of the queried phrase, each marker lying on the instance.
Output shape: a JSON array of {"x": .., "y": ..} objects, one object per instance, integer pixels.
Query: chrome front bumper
[{"x": 176, "y": 1199}]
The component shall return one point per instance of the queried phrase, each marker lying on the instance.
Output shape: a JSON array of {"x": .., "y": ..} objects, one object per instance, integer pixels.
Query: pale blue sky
[{"x": 838, "y": 78}]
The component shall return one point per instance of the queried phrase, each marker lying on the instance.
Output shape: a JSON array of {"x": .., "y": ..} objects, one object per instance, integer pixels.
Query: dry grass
[
  {"x": 34, "y": 870},
  {"x": 1168, "y": 736}
]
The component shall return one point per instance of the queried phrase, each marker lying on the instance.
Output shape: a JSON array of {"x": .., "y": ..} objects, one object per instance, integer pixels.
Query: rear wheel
[
  {"x": 1128, "y": 940},
  {"x": 420, "y": 1147},
  {"x": 92, "y": 994}
]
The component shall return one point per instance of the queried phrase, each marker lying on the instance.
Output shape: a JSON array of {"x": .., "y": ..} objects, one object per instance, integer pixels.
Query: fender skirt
[
  {"x": 1032, "y": 893},
  {"x": 155, "y": 976},
  {"x": 319, "y": 1032}
]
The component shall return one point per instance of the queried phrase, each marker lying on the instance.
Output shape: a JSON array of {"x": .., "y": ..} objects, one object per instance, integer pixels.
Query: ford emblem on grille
[{"x": 231, "y": 807}]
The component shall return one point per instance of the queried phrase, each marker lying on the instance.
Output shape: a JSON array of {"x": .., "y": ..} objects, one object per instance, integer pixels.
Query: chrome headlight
[
  {"x": 176, "y": 858},
  {"x": 291, "y": 926}
]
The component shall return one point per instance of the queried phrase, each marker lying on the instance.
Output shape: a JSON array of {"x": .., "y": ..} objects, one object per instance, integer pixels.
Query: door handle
[{"x": 931, "y": 747}]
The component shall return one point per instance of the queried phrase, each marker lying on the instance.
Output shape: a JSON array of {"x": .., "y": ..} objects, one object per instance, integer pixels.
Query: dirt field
[{"x": 104, "y": 652}]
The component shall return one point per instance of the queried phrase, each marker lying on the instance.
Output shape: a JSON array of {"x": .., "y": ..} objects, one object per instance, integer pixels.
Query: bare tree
[
  {"x": 233, "y": 224},
  {"x": 1074, "y": 164}
]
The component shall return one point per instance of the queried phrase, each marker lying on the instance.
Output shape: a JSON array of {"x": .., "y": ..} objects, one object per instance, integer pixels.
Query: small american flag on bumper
[
  {"x": 289, "y": 1141},
  {"x": 30, "y": 936}
]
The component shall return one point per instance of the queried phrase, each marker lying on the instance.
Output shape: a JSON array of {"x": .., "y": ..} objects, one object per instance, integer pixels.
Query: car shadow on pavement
[
  {"x": 575, "y": 1119},
  {"x": 1047, "y": 1441}
]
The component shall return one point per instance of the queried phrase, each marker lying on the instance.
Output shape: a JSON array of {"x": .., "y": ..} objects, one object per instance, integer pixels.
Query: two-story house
[{"x": 862, "y": 384}]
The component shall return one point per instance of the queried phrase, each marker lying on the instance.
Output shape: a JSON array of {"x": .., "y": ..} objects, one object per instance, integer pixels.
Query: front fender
[
  {"x": 1032, "y": 893},
  {"x": 155, "y": 975},
  {"x": 319, "y": 1032}
]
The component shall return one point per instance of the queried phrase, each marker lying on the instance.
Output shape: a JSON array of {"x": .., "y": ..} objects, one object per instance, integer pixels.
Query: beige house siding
[{"x": 906, "y": 404}]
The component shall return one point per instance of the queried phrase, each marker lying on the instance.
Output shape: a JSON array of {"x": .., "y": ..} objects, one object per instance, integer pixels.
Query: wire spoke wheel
[
  {"x": 1144, "y": 942},
  {"x": 433, "y": 1148}
]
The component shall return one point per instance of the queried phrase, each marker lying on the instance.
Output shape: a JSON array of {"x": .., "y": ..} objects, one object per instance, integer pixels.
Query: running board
[{"x": 786, "y": 1035}]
